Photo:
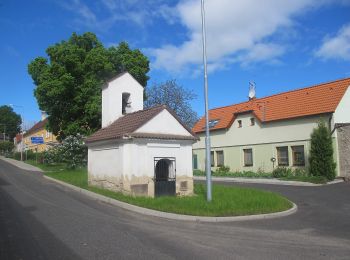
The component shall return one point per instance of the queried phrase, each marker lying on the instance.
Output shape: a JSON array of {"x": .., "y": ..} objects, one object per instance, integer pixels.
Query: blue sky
[{"x": 281, "y": 45}]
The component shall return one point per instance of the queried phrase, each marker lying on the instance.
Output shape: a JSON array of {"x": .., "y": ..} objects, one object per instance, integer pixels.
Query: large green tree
[
  {"x": 10, "y": 122},
  {"x": 321, "y": 152},
  {"x": 68, "y": 82},
  {"x": 174, "y": 96}
]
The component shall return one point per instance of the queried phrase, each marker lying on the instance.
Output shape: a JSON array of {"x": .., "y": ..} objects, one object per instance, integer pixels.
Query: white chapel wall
[{"x": 163, "y": 123}]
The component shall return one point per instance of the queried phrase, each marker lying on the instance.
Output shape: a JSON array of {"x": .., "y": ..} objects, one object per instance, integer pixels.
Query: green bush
[
  {"x": 29, "y": 155},
  {"x": 321, "y": 153},
  {"x": 72, "y": 151},
  {"x": 53, "y": 155},
  {"x": 197, "y": 172},
  {"x": 300, "y": 172},
  {"x": 223, "y": 169},
  {"x": 6, "y": 147},
  {"x": 16, "y": 156},
  {"x": 280, "y": 172}
]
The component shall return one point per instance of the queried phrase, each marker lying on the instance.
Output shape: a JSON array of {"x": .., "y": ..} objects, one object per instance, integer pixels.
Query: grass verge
[
  {"x": 312, "y": 179},
  {"x": 227, "y": 201},
  {"x": 47, "y": 167}
]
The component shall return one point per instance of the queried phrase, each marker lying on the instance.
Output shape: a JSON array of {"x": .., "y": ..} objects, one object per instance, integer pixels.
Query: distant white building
[
  {"x": 141, "y": 152},
  {"x": 17, "y": 141}
]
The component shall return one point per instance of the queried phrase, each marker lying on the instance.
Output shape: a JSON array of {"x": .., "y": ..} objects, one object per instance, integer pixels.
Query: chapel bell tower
[{"x": 121, "y": 95}]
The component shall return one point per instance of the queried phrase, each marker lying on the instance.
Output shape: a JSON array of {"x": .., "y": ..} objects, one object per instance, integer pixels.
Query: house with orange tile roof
[
  {"x": 39, "y": 130},
  {"x": 263, "y": 133}
]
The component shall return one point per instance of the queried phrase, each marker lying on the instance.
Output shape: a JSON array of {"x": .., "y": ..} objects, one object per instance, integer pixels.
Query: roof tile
[
  {"x": 317, "y": 99},
  {"x": 126, "y": 125}
]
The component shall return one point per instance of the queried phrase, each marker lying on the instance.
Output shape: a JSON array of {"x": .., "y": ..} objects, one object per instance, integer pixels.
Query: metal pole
[
  {"x": 207, "y": 137},
  {"x": 22, "y": 140}
]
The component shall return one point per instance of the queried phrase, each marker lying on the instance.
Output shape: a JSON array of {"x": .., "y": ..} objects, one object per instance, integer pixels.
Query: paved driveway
[
  {"x": 322, "y": 210},
  {"x": 42, "y": 220}
]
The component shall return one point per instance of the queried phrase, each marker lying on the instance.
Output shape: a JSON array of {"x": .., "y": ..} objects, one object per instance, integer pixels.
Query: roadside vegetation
[
  {"x": 281, "y": 173},
  {"x": 321, "y": 153}
]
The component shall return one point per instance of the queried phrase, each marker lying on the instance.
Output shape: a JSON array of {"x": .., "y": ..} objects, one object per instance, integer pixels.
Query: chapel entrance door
[{"x": 164, "y": 176}]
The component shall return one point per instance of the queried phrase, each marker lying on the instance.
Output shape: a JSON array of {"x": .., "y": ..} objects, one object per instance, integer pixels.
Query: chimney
[
  {"x": 43, "y": 115},
  {"x": 251, "y": 90}
]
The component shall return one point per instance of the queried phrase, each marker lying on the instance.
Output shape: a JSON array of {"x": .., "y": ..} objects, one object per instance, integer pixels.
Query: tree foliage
[
  {"x": 68, "y": 83},
  {"x": 10, "y": 122},
  {"x": 321, "y": 153},
  {"x": 6, "y": 147},
  {"x": 174, "y": 96}
]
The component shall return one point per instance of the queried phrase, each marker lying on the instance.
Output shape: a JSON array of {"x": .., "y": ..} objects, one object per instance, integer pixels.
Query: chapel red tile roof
[
  {"x": 127, "y": 124},
  {"x": 313, "y": 100}
]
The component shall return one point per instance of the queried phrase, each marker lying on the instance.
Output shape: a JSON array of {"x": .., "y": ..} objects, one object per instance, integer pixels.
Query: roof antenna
[{"x": 251, "y": 90}]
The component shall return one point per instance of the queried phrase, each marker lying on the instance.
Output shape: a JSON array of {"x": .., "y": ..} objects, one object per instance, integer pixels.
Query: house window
[
  {"x": 298, "y": 155},
  {"x": 239, "y": 123},
  {"x": 248, "y": 157},
  {"x": 212, "y": 123},
  {"x": 195, "y": 161},
  {"x": 252, "y": 121},
  {"x": 220, "y": 158},
  {"x": 282, "y": 156},
  {"x": 212, "y": 163}
]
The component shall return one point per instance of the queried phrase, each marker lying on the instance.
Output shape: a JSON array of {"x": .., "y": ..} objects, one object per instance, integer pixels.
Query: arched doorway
[{"x": 164, "y": 177}]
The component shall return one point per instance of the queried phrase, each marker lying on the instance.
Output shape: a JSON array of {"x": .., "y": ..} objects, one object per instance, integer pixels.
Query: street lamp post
[{"x": 207, "y": 137}]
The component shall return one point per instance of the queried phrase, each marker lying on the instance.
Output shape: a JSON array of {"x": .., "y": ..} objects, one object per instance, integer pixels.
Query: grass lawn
[
  {"x": 227, "y": 201},
  {"x": 47, "y": 167}
]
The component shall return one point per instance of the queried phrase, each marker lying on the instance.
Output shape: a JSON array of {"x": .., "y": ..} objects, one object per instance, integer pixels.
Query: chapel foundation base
[{"x": 138, "y": 186}]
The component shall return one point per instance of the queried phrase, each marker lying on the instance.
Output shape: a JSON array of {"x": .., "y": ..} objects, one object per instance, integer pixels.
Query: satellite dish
[{"x": 251, "y": 90}]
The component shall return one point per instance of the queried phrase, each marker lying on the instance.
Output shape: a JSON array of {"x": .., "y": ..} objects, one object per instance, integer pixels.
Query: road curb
[
  {"x": 173, "y": 216},
  {"x": 266, "y": 181}
]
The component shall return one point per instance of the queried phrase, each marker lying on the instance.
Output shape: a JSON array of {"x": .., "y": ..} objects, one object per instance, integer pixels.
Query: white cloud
[
  {"x": 337, "y": 47},
  {"x": 262, "y": 52},
  {"x": 104, "y": 14},
  {"x": 80, "y": 9},
  {"x": 237, "y": 31}
]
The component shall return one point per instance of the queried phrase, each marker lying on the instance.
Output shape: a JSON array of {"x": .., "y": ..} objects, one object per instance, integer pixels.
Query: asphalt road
[{"x": 42, "y": 220}]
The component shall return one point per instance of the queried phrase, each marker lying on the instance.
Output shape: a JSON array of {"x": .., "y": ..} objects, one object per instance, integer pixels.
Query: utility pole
[{"x": 207, "y": 137}]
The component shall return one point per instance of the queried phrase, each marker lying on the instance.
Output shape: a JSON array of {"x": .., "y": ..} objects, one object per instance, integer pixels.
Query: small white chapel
[{"x": 143, "y": 152}]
